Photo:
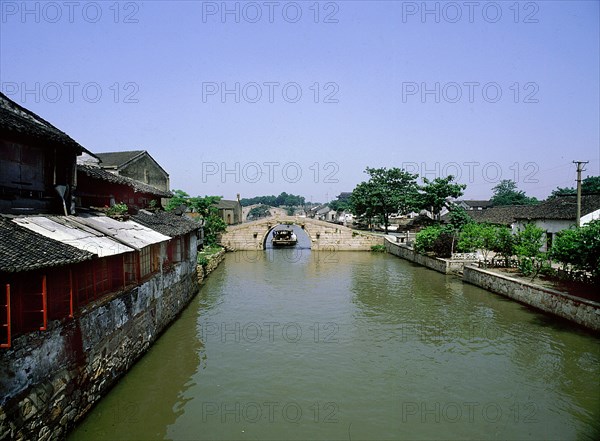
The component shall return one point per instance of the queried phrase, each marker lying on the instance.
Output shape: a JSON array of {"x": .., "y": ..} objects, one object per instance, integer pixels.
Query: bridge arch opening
[{"x": 304, "y": 242}]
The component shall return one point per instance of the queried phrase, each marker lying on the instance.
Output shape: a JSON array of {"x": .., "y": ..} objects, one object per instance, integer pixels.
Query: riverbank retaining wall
[
  {"x": 582, "y": 311},
  {"x": 50, "y": 380},
  {"x": 444, "y": 266}
]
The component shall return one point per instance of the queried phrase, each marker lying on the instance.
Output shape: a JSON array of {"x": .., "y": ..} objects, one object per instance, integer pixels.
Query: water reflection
[
  {"x": 363, "y": 346},
  {"x": 153, "y": 394}
]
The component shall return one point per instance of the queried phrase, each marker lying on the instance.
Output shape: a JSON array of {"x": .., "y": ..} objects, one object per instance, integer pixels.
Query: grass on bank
[{"x": 206, "y": 253}]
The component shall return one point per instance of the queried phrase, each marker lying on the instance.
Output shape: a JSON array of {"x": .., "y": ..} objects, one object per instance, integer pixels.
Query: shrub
[
  {"x": 425, "y": 238},
  {"x": 580, "y": 248},
  {"x": 378, "y": 248},
  {"x": 442, "y": 246},
  {"x": 527, "y": 247},
  {"x": 117, "y": 210}
]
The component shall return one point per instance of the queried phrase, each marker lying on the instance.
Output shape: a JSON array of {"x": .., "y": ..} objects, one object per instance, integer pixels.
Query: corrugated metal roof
[
  {"x": 70, "y": 232},
  {"x": 133, "y": 234}
]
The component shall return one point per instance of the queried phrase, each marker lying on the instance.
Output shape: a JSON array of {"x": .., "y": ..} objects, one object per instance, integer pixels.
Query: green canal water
[{"x": 300, "y": 345}]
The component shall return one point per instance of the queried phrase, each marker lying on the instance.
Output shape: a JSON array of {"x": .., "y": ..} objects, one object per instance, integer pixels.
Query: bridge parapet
[{"x": 323, "y": 235}]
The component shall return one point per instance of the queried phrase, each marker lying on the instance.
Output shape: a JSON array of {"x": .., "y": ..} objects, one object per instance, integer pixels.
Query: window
[
  {"x": 102, "y": 277},
  {"x": 155, "y": 253},
  {"x": 174, "y": 250},
  {"x": 145, "y": 262},
  {"x": 130, "y": 267}
]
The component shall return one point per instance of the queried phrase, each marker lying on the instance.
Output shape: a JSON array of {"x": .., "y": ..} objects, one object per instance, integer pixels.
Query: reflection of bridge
[{"x": 322, "y": 235}]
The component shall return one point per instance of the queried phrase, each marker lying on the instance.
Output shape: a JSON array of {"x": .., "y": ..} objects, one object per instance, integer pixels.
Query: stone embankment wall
[
  {"x": 582, "y": 311},
  {"x": 444, "y": 266},
  {"x": 213, "y": 263},
  {"x": 49, "y": 380}
]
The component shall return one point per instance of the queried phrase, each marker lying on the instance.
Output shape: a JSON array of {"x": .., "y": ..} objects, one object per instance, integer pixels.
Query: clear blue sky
[{"x": 166, "y": 64}]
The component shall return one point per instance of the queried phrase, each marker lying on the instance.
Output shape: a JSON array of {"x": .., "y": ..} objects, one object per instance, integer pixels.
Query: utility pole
[{"x": 580, "y": 168}]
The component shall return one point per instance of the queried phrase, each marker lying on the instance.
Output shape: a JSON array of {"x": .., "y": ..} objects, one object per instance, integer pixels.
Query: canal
[{"x": 301, "y": 345}]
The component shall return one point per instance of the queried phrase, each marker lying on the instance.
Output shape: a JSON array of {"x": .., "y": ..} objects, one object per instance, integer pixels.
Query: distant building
[
  {"x": 502, "y": 215},
  {"x": 98, "y": 188},
  {"x": 37, "y": 163},
  {"x": 559, "y": 213},
  {"x": 136, "y": 164},
  {"x": 474, "y": 204},
  {"x": 230, "y": 211}
]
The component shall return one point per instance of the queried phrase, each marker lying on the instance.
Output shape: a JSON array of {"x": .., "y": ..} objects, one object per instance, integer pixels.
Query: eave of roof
[
  {"x": 103, "y": 175},
  {"x": 20, "y": 122},
  {"x": 24, "y": 250},
  {"x": 166, "y": 223}
]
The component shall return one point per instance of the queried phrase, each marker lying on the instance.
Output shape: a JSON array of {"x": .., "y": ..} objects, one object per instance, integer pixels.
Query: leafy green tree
[
  {"x": 566, "y": 248},
  {"x": 284, "y": 199},
  {"x": 338, "y": 206},
  {"x": 435, "y": 194},
  {"x": 590, "y": 248},
  {"x": 259, "y": 212},
  {"x": 506, "y": 193},
  {"x": 387, "y": 191},
  {"x": 591, "y": 184},
  {"x": 426, "y": 238},
  {"x": 580, "y": 248},
  {"x": 505, "y": 244},
  {"x": 562, "y": 192},
  {"x": 478, "y": 236},
  {"x": 527, "y": 248},
  {"x": 206, "y": 207},
  {"x": 360, "y": 203},
  {"x": 457, "y": 219}
]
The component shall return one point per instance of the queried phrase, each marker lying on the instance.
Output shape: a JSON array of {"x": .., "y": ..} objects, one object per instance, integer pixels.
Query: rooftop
[
  {"x": 477, "y": 203},
  {"x": 502, "y": 215},
  {"x": 25, "y": 250},
  {"x": 562, "y": 207},
  {"x": 166, "y": 223},
  {"x": 227, "y": 204},
  {"x": 22, "y": 123},
  {"x": 97, "y": 234},
  {"x": 117, "y": 159},
  {"x": 103, "y": 175}
]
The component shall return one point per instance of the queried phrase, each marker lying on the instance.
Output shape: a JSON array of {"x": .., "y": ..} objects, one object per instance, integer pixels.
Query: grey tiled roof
[
  {"x": 502, "y": 215},
  {"x": 166, "y": 223},
  {"x": 19, "y": 122},
  {"x": 103, "y": 175},
  {"x": 25, "y": 250},
  {"x": 562, "y": 207},
  {"x": 477, "y": 203},
  {"x": 227, "y": 204},
  {"x": 116, "y": 159}
]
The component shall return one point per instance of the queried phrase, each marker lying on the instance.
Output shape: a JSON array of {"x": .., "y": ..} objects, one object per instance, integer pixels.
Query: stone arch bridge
[{"x": 322, "y": 235}]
